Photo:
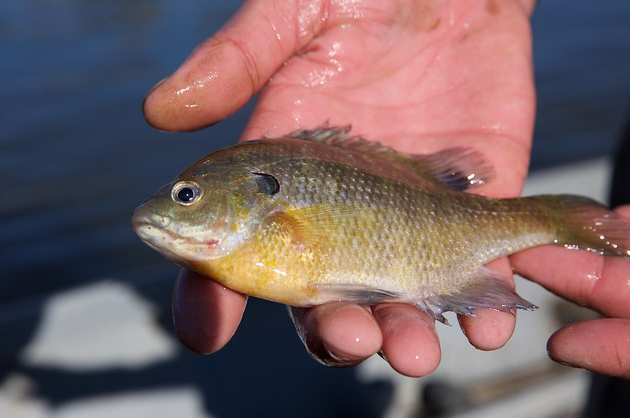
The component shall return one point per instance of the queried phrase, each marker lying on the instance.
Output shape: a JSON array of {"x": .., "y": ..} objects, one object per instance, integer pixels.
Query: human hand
[
  {"x": 600, "y": 283},
  {"x": 414, "y": 75}
]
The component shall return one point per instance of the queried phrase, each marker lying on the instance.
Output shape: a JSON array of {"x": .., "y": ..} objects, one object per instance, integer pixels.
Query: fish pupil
[{"x": 186, "y": 194}]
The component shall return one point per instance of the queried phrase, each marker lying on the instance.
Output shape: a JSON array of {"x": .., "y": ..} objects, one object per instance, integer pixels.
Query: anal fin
[{"x": 488, "y": 290}]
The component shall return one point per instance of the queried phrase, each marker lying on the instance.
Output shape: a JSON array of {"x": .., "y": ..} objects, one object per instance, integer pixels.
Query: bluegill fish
[{"x": 320, "y": 216}]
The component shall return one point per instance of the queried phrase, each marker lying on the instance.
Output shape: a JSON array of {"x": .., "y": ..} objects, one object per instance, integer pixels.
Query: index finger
[{"x": 224, "y": 72}]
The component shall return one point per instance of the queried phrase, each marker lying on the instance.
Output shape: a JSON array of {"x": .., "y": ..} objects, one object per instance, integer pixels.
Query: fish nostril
[
  {"x": 144, "y": 216},
  {"x": 161, "y": 220}
]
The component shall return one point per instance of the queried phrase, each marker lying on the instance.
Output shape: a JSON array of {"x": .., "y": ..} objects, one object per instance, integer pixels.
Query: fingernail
[
  {"x": 564, "y": 363},
  {"x": 561, "y": 362},
  {"x": 149, "y": 112},
  {"x": 335, "y": 355},
  {"x": 329, "y": 358},
  {"x": 158, "y": 84}
]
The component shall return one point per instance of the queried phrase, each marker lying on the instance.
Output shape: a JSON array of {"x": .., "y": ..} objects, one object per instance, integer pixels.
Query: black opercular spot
[{"x": 267, "y": 184}]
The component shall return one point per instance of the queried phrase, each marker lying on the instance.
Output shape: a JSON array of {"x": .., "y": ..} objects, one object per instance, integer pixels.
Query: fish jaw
[{"x": 160, "y": 232}]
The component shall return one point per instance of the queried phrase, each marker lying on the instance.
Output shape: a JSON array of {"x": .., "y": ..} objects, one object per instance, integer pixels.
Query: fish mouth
[
  {"x": 152, "y": 229},
  {"x": 144, "y": 220},
  {"x": 156, "y": 231}
]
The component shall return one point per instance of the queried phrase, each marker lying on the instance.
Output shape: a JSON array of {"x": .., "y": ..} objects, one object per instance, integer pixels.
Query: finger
[
  {"x": 410, "y": 343},
  {"x": 600, "y": 283},
  {"x": 337, "y": 334},
  {"x": 490, "y": 329},
  {"x": 601, "y": 346},
  {"x": 584, "y": 278},
  {"x": 206, "y": 314},
  {"x": 223, "y": 73}
]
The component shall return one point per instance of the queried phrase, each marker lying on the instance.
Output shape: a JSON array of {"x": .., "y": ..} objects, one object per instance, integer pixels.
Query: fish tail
[{"x": 583, "y": 223}]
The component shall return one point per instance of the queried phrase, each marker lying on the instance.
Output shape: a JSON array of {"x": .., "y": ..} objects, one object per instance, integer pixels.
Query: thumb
[{"x": 224, "y": 72}]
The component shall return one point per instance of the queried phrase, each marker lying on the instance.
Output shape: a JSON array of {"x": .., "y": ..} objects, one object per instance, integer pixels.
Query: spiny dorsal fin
[{"x": 456, "y": 168}]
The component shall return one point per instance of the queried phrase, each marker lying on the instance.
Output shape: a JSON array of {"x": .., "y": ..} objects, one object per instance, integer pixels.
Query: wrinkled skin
[{"x": 419, "y": 76}]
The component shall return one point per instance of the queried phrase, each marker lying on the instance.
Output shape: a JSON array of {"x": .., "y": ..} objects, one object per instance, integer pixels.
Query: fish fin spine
[
  {"x": 488, "y": 290},
  {"x": 453, "y": 168}
]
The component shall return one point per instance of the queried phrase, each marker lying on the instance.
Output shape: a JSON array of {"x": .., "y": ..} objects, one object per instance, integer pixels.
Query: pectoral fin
[
  {"x": 318, "y": 224},
  {"x": 296, "y": 231},
  {"x": 356, "y": 293}
]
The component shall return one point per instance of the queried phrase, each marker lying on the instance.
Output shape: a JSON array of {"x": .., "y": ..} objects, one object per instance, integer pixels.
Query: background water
[{"x": 76, "y": 155}]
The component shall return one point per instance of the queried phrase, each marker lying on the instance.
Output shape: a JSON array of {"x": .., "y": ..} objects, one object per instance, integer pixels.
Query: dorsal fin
[{"x": 456, "y": 168}]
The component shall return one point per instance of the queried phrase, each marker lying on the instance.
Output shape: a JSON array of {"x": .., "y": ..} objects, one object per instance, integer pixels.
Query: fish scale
[{"x": 320, "y": 216}]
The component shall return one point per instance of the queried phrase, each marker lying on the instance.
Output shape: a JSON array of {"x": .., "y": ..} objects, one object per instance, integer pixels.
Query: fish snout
[{"x": 144, "y": 221}]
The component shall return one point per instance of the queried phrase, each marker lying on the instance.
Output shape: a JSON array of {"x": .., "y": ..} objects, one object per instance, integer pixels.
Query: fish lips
[
  {"x": 156, "y": 230},
  {"x": 152, "y": 229}
]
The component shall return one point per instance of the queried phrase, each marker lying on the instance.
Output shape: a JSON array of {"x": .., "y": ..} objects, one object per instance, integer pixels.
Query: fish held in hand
[{"x": 319, "y": 216}]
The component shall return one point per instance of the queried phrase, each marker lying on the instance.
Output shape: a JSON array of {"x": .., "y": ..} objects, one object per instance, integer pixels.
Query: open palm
[{"x": 419, "y": 76}]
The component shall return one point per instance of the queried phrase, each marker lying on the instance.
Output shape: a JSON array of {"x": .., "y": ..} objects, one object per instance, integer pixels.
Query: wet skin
[{"x": 419, "y": 78}]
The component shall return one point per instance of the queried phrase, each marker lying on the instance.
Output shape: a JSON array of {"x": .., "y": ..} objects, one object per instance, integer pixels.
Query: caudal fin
[{"x": 586, "y": 224}]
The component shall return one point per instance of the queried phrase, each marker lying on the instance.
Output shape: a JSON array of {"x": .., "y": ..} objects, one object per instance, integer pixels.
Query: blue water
[
  {"x": 582, "y": 66},
  {"x": 76, "y": 155}
]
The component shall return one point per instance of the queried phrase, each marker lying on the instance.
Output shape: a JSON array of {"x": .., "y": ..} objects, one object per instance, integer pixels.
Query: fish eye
[
  {"x": 267, "y": 184},
  {"x": 186, "y": 193}
]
